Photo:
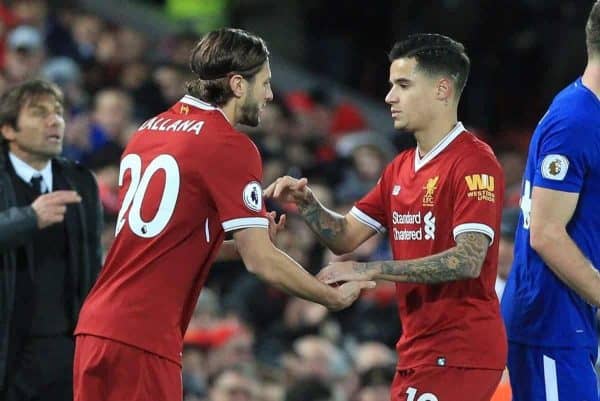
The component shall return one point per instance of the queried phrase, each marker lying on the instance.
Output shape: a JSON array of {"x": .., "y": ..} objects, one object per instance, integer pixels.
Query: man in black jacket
[{"x": 50, "y": 252}]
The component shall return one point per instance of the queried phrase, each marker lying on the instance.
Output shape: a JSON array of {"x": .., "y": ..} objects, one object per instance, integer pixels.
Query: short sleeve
[
  {"x": 479, "y": 192},
  {"x": 561, "y": 162},
  {"x": 235, "y": 185},
  {"x": 370, "y": 210}
]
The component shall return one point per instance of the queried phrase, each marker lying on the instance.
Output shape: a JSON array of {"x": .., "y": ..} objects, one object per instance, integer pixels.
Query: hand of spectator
[
  {"x": 275, "y": 227},
  {"x": 288, "y": 189},
  {"x": 51, "y": 208},
  {"x": 349, "y": 292},
  {"x": 344, "y": 271}
]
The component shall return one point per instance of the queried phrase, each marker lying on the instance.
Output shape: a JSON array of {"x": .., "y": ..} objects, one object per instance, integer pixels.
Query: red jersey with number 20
[
  {"x": 187, "y": 176},
  {"x": 424, "y": 203}
]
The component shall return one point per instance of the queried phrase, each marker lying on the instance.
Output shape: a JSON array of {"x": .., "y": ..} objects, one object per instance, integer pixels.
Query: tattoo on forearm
[
  {"x": 461, "y": 262},
  {"x": 326, "y": 224}
]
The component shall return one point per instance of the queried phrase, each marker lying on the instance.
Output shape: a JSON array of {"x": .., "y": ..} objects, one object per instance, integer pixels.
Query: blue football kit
[{"x": 552, "y": 331}]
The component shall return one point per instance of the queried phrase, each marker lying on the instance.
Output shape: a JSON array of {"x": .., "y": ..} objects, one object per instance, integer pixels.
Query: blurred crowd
[{"x": 246, "y": 341}]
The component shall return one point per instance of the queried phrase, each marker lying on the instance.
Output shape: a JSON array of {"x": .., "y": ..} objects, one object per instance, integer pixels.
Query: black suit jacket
[{"x": 17, "y": 224}]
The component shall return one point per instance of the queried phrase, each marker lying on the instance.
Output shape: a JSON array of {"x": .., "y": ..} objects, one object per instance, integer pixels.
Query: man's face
[
  {"x": 40, "y": 129},
  {"x": 23, "y": 64},
  {"x": 258, "y": 95},
  {"x": 232, "y": 386},
  {"x": 411, "y": 95}
]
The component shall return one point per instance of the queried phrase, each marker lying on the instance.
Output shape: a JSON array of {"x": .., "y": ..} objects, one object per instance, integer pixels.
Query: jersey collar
[
  {"x": 200, "y": 104},
  {"x": 439, "y": 147}
]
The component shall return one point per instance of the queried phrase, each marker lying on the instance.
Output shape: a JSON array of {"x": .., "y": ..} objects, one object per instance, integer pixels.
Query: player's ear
[
  {"x": 444, "y": 89},
  {"x": 8, "y": 132},
  {"x": 237, "y": 83}
]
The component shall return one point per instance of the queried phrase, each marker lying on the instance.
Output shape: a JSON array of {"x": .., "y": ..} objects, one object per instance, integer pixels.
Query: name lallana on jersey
[{"x": 168, "y": 124}]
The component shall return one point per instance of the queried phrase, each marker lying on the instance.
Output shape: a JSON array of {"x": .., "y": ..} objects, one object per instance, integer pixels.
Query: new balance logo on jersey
[
  {"x": 167, "y": 124},
  {"x": 396, "y": 190},
  {"x": 252, "y": 196}
]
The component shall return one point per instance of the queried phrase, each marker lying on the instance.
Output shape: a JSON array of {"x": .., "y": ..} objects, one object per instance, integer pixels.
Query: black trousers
[{"x": 43, "y": 370}]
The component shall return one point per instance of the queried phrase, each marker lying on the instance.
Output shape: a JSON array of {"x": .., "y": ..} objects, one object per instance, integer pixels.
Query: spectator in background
[
  {"x": 98, "y": 138},
  {"x": 513, "y": 164},
  {"x": 50, "y": 222},
  {"x": 66, "y": 73},
  {"x": 111, "y": 122},
  {"x": 24, "y": 55},
  {"x": 31, "y": 12},
  {"x": 318, "y": 357},
  {"x": 86, "y": 31},
  {"x": 309, "y": 388},
  {"x": 369, "y": 153},
  {"x": 369, "y": 355},
  {"x": 375, "y": 383},
  {"x": 233, "y": 385},
  {"x": 170, "y": 79}
]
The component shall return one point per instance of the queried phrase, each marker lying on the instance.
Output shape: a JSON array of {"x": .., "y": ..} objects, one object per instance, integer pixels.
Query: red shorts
[
  {"x": 443, "y": 383},
  {"x": 107, "y": 370}
]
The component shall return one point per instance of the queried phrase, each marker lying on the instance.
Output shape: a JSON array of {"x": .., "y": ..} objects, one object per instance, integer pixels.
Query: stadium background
[{"x": 119, "y": 62}]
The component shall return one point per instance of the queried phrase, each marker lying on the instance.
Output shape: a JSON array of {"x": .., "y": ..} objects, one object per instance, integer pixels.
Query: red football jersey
[
  {"x": 424, "y": 203},
  {"x": 187, "y": 176}
]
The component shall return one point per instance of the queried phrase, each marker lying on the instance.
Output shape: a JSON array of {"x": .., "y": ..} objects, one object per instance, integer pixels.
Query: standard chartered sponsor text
[{"x": 407, "y": 218}]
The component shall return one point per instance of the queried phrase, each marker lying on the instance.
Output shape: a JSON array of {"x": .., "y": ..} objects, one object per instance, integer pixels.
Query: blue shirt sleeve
[{"x": 562, "y": 160}]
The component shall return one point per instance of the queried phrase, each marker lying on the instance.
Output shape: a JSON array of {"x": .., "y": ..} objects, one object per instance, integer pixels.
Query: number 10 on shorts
[{"x": 412, "y": 395}]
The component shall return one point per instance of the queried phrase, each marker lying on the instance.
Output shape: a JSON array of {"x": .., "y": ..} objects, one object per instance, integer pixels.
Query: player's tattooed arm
[
  {"x": 328, "y": 225},
  {"x": 341, "y": 234},
  {"x": 461, "y": 262}
]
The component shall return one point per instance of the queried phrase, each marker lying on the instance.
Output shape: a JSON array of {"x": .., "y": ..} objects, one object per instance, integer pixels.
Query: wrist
[
  {"x": 365, "y": 269},
  {"x": 306, "y": 200},
  {"x": 334, "y": 300}
]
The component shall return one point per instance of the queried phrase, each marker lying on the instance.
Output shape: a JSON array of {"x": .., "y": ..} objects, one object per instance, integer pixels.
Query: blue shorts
[{"x": 552, "y": 374}]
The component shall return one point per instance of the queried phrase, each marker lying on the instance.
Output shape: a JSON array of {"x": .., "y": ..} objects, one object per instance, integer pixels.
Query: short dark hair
[
  {"x": 435, "y": 55},
  {"x": 592, "y": 31},
  {"x": 219, "y": 54},
  {"x": 309, "y": 388},
  {"x": 13, "y": 100}
]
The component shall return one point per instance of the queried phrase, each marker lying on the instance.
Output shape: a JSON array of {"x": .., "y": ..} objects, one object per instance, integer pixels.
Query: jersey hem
[
  {"x": 367, "y": 220},
  {"x": 474, "y": 227},
  {"x": 129, "y": 344},
  {"x": 449, "y": 365},
  {"x": 244, "y": 222}
]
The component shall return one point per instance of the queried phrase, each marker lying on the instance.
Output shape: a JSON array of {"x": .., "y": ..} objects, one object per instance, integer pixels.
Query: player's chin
[{"x": 399, "y": 125}]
